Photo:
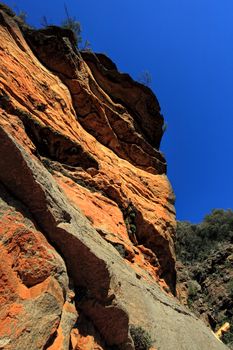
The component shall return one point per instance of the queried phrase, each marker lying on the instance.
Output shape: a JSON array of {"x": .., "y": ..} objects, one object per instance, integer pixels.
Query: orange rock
[
  {"x": 86, "y": 210},
  {"x": 43, "y": 107},
  {"x": 101, "y": 174},
  {"x": 83, "y": 342},
  {"x": 87, "y": 338},
  {"x": 28, "y": 277}
]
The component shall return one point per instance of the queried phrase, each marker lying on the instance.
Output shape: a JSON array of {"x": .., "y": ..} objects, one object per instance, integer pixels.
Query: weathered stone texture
[{"x": 86, "y": 210}]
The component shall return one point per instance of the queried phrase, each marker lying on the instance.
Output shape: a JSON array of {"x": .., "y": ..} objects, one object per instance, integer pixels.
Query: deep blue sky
[{"x": 187, "y": 46}]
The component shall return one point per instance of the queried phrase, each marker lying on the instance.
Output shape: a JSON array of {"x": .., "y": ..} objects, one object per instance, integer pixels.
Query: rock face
[{"x": 86, "y": 210}]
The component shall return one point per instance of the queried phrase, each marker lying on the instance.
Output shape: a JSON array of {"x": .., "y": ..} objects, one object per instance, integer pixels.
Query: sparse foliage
[
  {"x": 193, "y": 288},
  {"x": 130, "y": 222},
  {"x": 145, "y": 78},
  {"x": 205, "y": 251},
  {"x": 164, "y": 127},
  {"x": 230, "y": 287},
  {"x": 74, "y": 25},
  {"x": 86, "y": 46},
  {"x": 142, "y": 339},
  {"x": 196, "y": 241},
  {"x": 22, "y": 15},
  {"x": 44, "y": 22}
]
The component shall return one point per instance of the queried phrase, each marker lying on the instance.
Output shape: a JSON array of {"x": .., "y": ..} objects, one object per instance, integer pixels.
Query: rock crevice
[{"x": 88, "y": 248}]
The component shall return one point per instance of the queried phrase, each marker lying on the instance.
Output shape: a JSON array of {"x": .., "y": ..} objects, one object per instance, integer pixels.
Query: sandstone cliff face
[{"x": 86, "y": 210}]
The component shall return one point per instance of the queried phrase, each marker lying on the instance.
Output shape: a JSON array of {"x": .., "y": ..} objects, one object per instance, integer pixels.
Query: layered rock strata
[{"x": 86, "y": 210}]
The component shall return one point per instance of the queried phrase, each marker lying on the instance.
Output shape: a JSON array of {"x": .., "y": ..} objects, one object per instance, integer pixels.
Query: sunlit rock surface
[{"x": 86, "y": 210}]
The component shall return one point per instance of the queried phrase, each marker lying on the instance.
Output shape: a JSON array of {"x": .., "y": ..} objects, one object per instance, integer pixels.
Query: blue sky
[{"x": 187, "y": 46}]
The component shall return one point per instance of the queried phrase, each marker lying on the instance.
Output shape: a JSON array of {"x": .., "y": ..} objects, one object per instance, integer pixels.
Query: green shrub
[
  {"x": 194, "y": 242},
  {"x": 230, "y": 287},
  {"x": 130, "y": 221},
  {"x": 141, "y": 338},
  {"x": 228, "y": 339},
  {"x": 193, "y": 288}
]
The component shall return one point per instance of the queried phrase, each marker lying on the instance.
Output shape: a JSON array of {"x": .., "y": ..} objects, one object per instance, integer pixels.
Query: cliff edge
[{"x": 86, "y": 210}]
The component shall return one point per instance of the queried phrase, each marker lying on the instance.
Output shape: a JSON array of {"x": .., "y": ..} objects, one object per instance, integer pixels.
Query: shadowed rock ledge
[{"x": 86, "y": 211}]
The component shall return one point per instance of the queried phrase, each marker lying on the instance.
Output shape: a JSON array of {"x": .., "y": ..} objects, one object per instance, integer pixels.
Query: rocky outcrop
[
  {"x": 86, "y": 210},
  {"x": 119, "y": 112}
]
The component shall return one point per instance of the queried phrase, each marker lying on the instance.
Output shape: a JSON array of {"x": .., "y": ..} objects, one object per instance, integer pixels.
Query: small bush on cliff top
[
  {"x": 72, "y": 24},
  {"x": 142, "y": 340},
  {"x": 145, "y": 78}
]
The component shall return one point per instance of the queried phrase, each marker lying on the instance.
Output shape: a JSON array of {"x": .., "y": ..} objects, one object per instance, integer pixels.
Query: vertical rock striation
[{"x": 86, "y": 210}]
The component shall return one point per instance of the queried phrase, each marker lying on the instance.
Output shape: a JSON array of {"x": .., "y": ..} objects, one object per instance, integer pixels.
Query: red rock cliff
[{"x": 86, "y": 210}]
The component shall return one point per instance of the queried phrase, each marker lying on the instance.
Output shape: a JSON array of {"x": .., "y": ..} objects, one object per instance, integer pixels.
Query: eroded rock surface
[{"x": 86, "y": 210}]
